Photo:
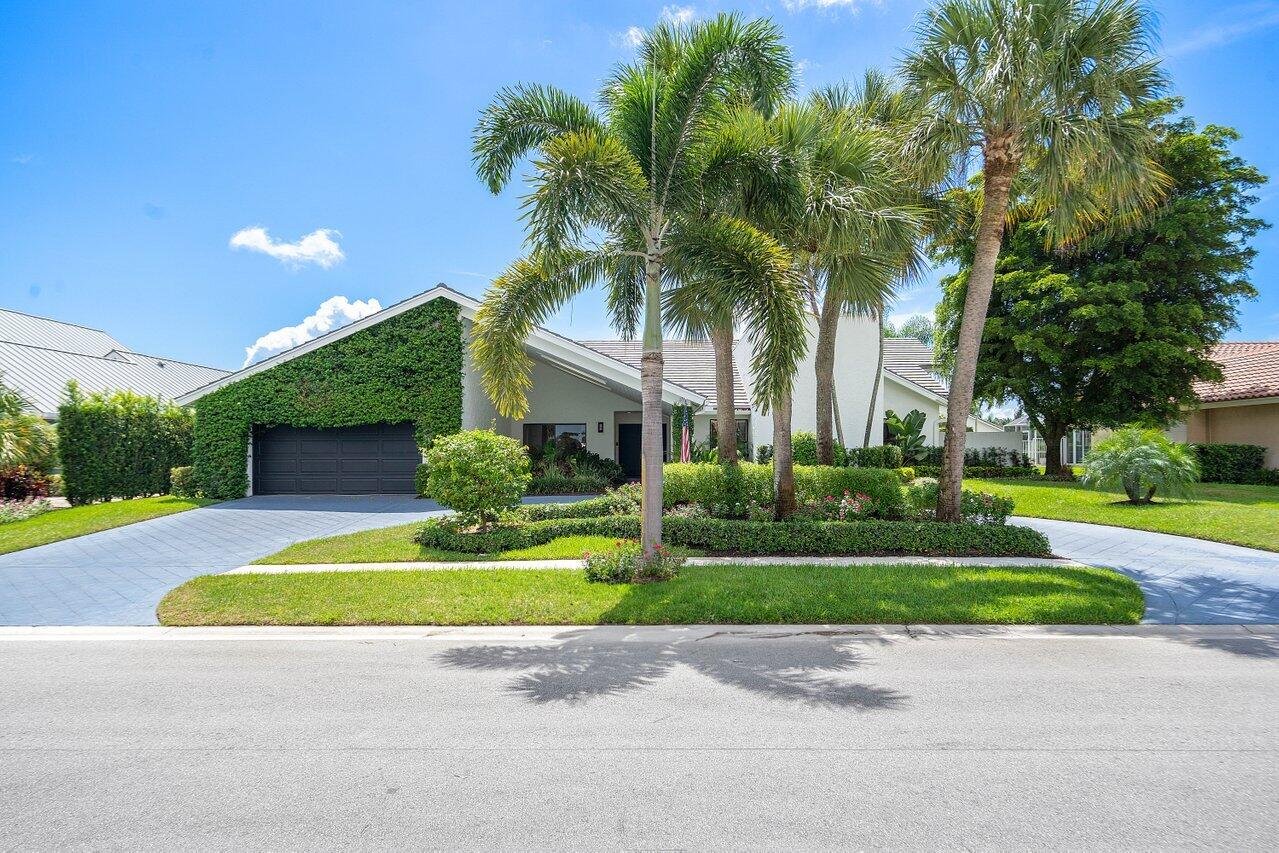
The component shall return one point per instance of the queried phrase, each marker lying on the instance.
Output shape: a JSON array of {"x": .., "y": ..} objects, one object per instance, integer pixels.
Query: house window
[{"x": 537, "y": 436}]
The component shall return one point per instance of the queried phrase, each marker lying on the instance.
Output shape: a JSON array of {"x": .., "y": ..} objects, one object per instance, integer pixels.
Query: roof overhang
[
  {"x": 561, "y": 352},
  {"x": 1246, "y": 401},
  {"x": 914, "y": 386}
]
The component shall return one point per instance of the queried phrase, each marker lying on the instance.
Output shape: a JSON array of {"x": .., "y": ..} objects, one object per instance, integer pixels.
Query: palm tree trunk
[
  {"x": 725, "y": 400},
  {"x": 879, "y": 377},
  {"x": 783, "y": 460},
  {"x": 824, "y": 366},
  {"x": 998, "y": 175},
  {"x": 651, "y": 410}
]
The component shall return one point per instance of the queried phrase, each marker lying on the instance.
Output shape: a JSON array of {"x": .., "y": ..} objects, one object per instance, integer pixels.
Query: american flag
[{"x": 685, "y": 452}]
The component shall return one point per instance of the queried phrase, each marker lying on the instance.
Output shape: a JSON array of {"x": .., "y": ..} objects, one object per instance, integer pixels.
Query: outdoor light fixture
[{"x": 599, "y": 426}]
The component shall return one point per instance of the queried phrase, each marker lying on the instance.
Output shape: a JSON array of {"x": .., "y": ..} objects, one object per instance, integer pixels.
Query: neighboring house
[
  {"x": 1244, "y": 407},
  {"x": 587, "y": 389},
  {"x": 1074, "y": 446},
  {"x": 39, "y": 355}
]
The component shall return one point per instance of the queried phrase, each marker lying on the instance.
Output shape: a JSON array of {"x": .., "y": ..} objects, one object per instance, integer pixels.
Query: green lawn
[
  {"x": 396, "y": 545},
  {"x": 700, "y": 595},
  {"x": 78, "y": 520},
  {"x": 1243, "y": 515}
]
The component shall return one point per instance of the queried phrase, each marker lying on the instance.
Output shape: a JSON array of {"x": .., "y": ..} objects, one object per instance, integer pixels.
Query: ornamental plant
[
  {"x": 478, "y": 474},
  {"x": 23, "y": 509},
  {"x": 626, "y": 562},
  {"x": 1141, "y": 462}
]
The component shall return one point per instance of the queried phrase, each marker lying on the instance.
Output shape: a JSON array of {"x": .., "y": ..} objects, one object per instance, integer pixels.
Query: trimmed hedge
[
  {"x": 846, "y": 538},
  {"x": 406, "y": 368},
  {"x": 708, "y": 484},
  {"x": 985, "y": 472},
  {"x": 556, "y": 483},
  {"x": 182, "y": 482},
  {"x": 1229, "y": 463},
  {"x": 120, "y": 445}
]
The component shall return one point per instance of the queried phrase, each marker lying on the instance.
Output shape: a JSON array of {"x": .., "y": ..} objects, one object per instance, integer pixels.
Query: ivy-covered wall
[{"x": 407, "y": 368}]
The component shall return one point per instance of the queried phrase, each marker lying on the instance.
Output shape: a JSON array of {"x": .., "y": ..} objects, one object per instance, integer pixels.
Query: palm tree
[
  {"x": 619, "y": 198},
  {"x": 25, "y": 439},
  {"x": 1044, "y": 90}
]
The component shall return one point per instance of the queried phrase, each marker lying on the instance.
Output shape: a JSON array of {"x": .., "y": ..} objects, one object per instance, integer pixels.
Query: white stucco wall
[
  {"x": 856, "y": 356},
  {"x": 903, "y": 399}
]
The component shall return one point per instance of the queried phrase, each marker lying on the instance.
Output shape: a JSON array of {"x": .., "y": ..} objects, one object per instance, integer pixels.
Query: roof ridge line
[{"x": 56, "y": 320}]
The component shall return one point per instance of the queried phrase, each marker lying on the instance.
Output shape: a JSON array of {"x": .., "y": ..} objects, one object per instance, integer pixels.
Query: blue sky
[{"x": 139, "y": 139}]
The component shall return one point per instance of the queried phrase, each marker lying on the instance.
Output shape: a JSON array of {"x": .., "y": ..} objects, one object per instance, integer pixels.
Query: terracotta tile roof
[
  {"x": 1250, "y": 369},
  {"x": 687, "y": 363}
]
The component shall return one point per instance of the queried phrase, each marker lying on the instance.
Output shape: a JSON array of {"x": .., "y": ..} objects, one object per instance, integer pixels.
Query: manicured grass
[
  {"x": 396, "y": 545},
  {"x": 1242, "y": 515},
  {"x": 700, "y": 595},
  {"x": 79, "y": 520}
]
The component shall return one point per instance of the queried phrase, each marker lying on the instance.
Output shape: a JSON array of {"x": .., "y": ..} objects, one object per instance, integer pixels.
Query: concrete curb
[
  {"x": 978, "y": 562},
  {"x": 642, "y": 633}
]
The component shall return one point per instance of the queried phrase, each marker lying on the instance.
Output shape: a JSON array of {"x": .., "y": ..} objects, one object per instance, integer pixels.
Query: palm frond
[{"x": 520, "y": 119}]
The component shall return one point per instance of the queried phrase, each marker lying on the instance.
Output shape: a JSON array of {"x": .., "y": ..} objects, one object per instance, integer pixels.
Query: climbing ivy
[{"x": 407, "y": 368}]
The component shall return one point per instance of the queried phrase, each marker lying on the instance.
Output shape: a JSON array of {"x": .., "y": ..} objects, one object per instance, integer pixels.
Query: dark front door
[
  {"x": 377, "y": 459},
  {"x": 629, "y": 440}
]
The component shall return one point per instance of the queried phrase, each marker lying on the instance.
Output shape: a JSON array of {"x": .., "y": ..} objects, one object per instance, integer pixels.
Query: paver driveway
[
  {"x": 117, "y": 577},
  {"x": 1186, "y": 581}
]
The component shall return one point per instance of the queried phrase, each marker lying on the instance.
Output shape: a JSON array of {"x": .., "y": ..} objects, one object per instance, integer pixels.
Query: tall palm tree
[
  {"x": 1043, "y": 90},
  {"x": 25, "y": 439},
  {"x": 618, "y": 198}
]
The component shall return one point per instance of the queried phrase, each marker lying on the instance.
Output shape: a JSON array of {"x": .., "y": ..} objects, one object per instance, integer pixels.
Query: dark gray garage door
[{"x": 378, "y": 459}]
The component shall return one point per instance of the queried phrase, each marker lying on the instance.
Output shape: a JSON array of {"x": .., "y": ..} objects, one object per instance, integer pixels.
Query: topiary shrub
[
  {"x": 1141, "y": 462},
  {"x": 881, "y": 456},
  {"x": 182, "y": 482},
  {"x": 478, "y": 474}
]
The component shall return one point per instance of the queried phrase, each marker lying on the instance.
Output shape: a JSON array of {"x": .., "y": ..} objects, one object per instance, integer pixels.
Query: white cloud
[
  {"x": 678, "y": 14},
  {"x": 1248, "y": 19},
  {"x": 333, "y": 313},
  {"x": 22, "y": 159},
  {"x": 801, "y": 5},
  {"x": 319, "y": 247},
  {"x": 634, "y": 36}
]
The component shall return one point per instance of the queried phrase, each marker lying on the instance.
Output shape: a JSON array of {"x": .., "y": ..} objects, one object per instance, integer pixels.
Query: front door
[{"x": 629, "y": 440}]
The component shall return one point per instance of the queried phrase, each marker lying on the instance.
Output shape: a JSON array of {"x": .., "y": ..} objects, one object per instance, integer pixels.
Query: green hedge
[
  {"x": 120, "y": 445},
  {"x": 848, "y": 538},
  {"x": 984, "y": 472},
  {"x": 1229, "y": 463},
  {"x": 182, "y": 482},
  {"x": 708, "y": 484},
  {"x": 555, "y": 483},
  {"x": 406, "y": 368}
]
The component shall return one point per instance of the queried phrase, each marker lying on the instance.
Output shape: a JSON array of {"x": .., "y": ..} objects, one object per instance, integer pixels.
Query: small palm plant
[
  {"x": 1141, "y": 462},
  {"x": 25, "y": 439}
]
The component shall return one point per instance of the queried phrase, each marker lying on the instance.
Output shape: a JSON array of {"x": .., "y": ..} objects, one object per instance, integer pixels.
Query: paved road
[
  {"x": 117, "y": 577},
  {"x": 1187, "y": 581},
  {"x": 769, "y": 738}
]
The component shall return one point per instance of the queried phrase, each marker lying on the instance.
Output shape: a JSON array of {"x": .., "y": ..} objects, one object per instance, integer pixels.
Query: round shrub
[
  {"x": 182, "y": 482},
  {"x": 478, "y": 474}
]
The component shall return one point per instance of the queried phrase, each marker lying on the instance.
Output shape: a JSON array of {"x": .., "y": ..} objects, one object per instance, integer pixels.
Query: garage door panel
[{"x": 374, "y": 459}]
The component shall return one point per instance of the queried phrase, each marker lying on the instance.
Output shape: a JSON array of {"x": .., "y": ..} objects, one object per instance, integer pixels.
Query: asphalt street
[{"x": 732, "y": 738}]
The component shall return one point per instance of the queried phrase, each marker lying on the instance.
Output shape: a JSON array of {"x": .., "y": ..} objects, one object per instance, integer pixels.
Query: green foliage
[
  {"x": 120, "y": 445},
  {"x": 975, "y": 507},
  {"x": 21, "y": 510},
  {"x": 1120, "y": 329},
  {"x": 917, "y": 326},
  {"x": 25, "y": 438},
  {"x": 710, "y": 485},
  {"x": 625, "y": 563},
  {"x": 880, "y": 456},
  {"x": 421, "y": 475},
  {"x": 406, "y": 368},
  {"x": 182, "y": 482},
  {"x": 556, "y": 483},
  {"x": 847, "y": 538},
  {"x": 986, "y": 472},
  {"x": 905, "y": 474},
  {"x": 1141, "y": 462},
  {"x": 1229, "y": 463},
  {"x": 804, "y": 448},
  {"x": 478, "y": 474},
  {"x": 624, "y": 500},
  {"x": 20, "y": 482},
  {"x": 908, "y": 434}
]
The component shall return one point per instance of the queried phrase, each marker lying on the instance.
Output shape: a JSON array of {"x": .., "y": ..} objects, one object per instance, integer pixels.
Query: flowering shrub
[
  {"x": 688, "y": 511},
  {"x": 847, "y": 508},
  {"x": 976, "y": 507},
  {"x": 625, "y": 563},
  {"x": 23, "y": 509}
]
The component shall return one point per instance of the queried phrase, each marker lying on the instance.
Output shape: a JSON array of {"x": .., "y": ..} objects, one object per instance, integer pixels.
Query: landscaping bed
[{"x": 699, "y": 595}]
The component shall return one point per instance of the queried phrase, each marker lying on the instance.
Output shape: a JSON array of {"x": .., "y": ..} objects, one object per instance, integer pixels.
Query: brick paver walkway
[
  {"x": 1186, "y": 581},
  {"x": 117, "y": 577}
]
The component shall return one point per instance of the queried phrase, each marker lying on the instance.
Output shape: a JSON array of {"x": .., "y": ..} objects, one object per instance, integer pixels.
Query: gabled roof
[
  {"x": 912, "y": 359},
  {"x": 555, "y": 349},
  {"x": 40, "y": 374},
  {"x": 20, "y": 328},
  {"x": 690, "y": 364},
  {"x": 1250, "y": 370}
]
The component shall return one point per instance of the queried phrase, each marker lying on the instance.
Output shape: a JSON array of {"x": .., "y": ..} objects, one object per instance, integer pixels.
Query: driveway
[
  {"x": 1186, "y": 581},
  {"x": 768, "y": 738},
  {"x": 117, "y": 577}
]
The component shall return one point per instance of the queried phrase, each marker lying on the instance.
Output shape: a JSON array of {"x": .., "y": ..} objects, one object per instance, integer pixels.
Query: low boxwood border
[{"x": 843, "y": 538}]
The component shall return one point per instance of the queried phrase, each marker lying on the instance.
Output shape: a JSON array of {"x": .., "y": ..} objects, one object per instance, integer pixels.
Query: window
[{"x": 537, "y": 436}]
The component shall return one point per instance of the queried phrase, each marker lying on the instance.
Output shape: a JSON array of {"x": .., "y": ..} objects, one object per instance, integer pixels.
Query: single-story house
[
  {"x": 1243, "y": 408},
  {"x": 39, "y": 355},
  {"x": 348, "y": 411}
]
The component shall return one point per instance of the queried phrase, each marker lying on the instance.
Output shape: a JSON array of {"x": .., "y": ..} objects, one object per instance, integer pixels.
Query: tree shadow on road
[{"x": 808, "y": 668}]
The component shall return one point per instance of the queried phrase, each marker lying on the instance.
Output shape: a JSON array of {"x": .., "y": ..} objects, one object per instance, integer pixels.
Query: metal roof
[
  {"x": 690, "y": 364},
  {"x": 19, "y": 328},
  {"x": 912, "y": 360}
]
